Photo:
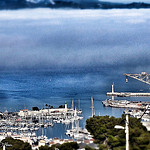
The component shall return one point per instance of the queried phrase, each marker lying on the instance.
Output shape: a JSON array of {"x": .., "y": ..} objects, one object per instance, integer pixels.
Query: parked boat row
[
  {"x": 31, "y": 120},
  {"x": 78, "y": 133}
]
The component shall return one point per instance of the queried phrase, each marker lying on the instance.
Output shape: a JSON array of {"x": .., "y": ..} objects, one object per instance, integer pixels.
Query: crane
[{"x": 143, "y": 77}]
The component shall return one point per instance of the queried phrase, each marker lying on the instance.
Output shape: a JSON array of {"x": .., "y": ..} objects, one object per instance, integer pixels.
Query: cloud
[{"x": 74, "y": 39}]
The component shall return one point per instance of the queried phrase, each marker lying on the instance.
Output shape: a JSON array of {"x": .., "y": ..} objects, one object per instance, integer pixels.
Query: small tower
[
  {"x": 75, "y": 112},
  {"x": 113, "y": 87},
  {"x": 65, "y": 106},
  {"x": 72, "y": 105}
]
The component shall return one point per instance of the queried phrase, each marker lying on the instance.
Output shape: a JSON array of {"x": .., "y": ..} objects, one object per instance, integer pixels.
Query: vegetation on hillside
[
  {"x": 102, "y": 128},
  {"x": 65, "y": 146},
  {"x": 15, "y": 144}
]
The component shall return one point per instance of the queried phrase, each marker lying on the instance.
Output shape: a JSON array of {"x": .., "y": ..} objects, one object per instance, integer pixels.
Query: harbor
[
  {"x": 58, "y": 61},
  {"x": 32, "y": 120},
  {"x": 24, "y": 125},
  {"x": 139, "y": 109},
  {"x": 37, "y": 125}
]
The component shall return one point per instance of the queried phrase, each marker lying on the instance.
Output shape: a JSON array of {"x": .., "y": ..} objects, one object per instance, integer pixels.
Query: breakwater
[{"x": 126, "y": 94}]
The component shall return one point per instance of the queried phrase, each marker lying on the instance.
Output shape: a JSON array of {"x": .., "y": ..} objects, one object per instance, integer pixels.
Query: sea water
[{"x": 24, "y": 90}]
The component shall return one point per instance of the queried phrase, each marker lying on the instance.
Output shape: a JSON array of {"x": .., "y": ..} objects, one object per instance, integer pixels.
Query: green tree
[
  {"x": 88, "y": 148},
  {"x": 69, "y": 146},
  {"x": 65, "y": 146},
  {"x": 44, "y": 147},
  {"x": 16, "y": 144},
  {"x": 102, "y": 128}
]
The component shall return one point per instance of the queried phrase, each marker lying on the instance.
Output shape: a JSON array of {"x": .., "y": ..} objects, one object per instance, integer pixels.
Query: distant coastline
[{"x": 93, "y": 4}]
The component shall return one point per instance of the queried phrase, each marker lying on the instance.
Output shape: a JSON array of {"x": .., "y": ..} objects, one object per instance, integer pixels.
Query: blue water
[{"x": 19, "y": 90}]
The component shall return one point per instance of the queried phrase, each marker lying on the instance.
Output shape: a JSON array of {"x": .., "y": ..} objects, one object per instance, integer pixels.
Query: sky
[{"x": 67, "y": 39}]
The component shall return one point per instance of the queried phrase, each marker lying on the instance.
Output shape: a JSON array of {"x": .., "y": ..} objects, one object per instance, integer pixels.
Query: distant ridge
[{"x": 79, "y": 4}]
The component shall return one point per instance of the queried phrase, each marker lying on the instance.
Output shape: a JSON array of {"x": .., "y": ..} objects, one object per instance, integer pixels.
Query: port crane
[{"x": 143, "y": 77}]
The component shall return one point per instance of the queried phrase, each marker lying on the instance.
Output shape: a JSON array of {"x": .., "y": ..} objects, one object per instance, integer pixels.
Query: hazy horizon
[{"x": 74, "y": 39}]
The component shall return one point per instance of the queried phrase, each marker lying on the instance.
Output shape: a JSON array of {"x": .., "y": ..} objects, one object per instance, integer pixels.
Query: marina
[
  {"x": 24, "y": 124},
  {"x": 32, "y": 139},
  {"x": 32, "y": 120}
]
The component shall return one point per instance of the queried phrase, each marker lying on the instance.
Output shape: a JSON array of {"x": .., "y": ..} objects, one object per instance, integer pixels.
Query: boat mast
[
  {"x": 72, "y": 106},
  {"x": 93, "y": 112}
]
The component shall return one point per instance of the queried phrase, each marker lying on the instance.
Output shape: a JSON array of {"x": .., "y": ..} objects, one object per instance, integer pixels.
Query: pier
[{"x": 125, "y": 94}]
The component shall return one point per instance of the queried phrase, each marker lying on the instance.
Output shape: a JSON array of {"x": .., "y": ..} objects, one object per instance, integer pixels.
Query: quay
[{"x": 126, "y": 94}]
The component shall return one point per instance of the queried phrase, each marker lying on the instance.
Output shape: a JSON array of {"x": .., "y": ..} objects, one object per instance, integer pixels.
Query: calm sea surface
[{"x": 19, "y": 90}]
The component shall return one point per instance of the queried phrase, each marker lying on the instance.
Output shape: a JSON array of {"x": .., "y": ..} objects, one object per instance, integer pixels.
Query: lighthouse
[{"x": 65, "y": 106}]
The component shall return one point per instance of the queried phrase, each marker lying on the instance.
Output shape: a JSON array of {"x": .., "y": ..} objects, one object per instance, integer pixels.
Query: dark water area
[{"x": 20, "y": 90}]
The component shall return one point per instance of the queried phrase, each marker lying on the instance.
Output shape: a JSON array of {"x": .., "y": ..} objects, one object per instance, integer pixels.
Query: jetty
[
  {"x": 143, "y": 77},
  {"x": 125, "y": 94}
]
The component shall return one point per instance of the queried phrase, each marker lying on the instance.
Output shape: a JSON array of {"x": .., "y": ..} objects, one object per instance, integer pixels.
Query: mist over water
[{"x": 75, "y": 39}]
